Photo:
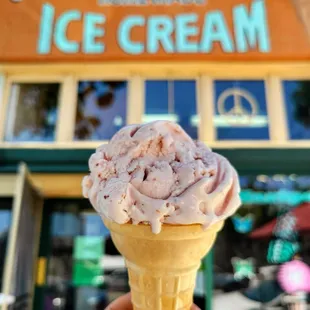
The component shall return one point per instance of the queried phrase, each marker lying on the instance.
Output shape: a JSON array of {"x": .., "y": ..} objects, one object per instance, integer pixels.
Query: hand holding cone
[{"x": 124, "y": 303}]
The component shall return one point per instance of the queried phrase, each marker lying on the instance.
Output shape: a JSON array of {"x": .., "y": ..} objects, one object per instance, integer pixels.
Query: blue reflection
[
  {"x": 244, "y": 181},
  {"x": 93, "y": 225},
  {"x": 5, "y": 220},
  {"x": 173, "y": 100},
  {"x": 297, "y": 101},
  {"x": 243, "y": 115},
  {"x": 65, "y": 224}
]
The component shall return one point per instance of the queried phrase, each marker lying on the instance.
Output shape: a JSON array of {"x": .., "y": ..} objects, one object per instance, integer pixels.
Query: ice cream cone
[
  {"x": 303, "y": 11},
  {"x": 162, "y": 267}
]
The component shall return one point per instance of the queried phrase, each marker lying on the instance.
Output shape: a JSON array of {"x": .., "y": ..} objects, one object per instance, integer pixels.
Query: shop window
[
  {"x": 172, "y": 100},
  {"x": 268, "y": 230},
  {"x": 241, "y": 110},
  {"x": 32, "y": 112},
  {"x": 101, "y": 109},
  {"x": 297, "y": 101}
]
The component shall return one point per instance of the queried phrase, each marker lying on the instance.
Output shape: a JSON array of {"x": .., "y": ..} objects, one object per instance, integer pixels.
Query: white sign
[{"x": 6, "y": 299}]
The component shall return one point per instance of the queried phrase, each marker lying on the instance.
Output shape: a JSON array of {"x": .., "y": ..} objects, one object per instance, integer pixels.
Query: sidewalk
[{"x": 236, "y": 301}]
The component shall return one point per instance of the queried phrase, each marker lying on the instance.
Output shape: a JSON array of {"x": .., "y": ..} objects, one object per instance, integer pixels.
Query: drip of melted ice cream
[{"x": 155, "y": 173}]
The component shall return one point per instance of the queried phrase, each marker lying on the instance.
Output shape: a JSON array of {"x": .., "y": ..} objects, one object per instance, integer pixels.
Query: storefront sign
[
  {"x": 250, "y": 32},
  {"x": 153, "y": 29}
]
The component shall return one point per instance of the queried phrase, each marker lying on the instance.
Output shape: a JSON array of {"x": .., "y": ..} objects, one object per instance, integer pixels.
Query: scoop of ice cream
[{"x": 155, "y": 173}]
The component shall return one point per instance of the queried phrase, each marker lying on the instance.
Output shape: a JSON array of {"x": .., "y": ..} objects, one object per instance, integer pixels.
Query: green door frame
[
  {"x": 208, "y": 280},
  {"x": 44, "y": 253},
  {"x": 247, "y": 161}
]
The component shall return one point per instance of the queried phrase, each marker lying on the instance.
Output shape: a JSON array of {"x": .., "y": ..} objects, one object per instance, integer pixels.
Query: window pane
[
  {"x": 156, "y": 101},
  {"x": 84, "y": 269},
  {"x": 172, "y": 100},
  {"x": 101, "y": 110},
  {"x": 241, "y": 110},
  {"x": 297, "y": 101},
  {"x": 32, "y": 112}
]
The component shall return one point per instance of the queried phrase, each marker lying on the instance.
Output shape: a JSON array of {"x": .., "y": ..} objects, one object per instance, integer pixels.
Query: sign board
[
  {"x": 161, "y": 30},
  {"x": 87, "y": 273},
  {"x": 86, "y": 247},
  {"x": 88, "y": 252}
]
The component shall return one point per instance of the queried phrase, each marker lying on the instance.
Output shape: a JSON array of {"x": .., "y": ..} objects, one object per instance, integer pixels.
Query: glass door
[
  {"x": 22, "y": 244},
  {"x": 84, "y": 270},
  {"x": 5, "y": 222}
]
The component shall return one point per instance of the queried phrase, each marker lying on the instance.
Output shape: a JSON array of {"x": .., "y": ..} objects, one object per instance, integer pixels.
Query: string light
[{"x": 262, "y": 178}]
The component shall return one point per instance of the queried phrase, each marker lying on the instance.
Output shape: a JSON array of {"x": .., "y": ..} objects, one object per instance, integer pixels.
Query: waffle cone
[{"x": 162, "y": 268}]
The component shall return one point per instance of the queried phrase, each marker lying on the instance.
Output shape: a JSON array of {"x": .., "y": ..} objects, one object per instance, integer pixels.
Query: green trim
[
  {"x": 208, "y": 279},
  {"x": 40, "y": 160},
  {"x": 246, "y": 161}
]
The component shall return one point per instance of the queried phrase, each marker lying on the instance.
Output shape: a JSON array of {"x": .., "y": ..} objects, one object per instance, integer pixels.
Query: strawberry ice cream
[{"x": 155, "y": 173}]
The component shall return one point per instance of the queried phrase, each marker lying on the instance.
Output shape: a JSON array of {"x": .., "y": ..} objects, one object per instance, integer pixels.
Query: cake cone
[
  {"x": 162, "y": 267},
  {"x": 303, "y": 11}
]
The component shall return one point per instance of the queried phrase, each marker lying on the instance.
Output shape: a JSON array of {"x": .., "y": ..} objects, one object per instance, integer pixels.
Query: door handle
[{"x": 41, "y": 271}]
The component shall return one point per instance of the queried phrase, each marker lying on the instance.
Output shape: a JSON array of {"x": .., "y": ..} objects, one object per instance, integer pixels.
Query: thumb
[
  {"x": 194, "y": 307},
  {"x": 121, "y": 303}
]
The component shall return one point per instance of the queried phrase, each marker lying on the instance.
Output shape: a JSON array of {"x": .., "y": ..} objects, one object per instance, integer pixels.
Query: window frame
[
  {"x": 72, "y": 91},
  {"x": 204, "y": 73},
  {"x": 282, "y": 91},
  {"x": 275, "y": 125},
  {"x": 4, "y": 107}
]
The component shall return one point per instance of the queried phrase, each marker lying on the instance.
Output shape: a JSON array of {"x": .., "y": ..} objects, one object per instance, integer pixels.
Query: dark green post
[
  {"x": 208, "y": 280},
  {"x": 44, "y": 251}
]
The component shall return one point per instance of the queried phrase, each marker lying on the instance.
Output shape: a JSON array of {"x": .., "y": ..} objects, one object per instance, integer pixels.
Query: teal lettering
[
  {"x": 91, "y": 32},
  {"x": 160, "y": 29},
  {"x": 251, "y": 29},
  {"x": 216, "y": 30},
  {"x": 183, "y": 31},
  {"x": 61, "y": 26},
  {"x": 124, "y": 31},
  {"x": 46, "y": 29}
]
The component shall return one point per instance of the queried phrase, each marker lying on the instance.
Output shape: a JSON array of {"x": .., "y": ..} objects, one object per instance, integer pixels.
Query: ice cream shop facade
[{"x": 234, "y": 74}]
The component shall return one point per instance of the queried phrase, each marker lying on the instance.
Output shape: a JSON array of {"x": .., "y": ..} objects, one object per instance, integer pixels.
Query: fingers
[
  {"x": 124, "y": 303},
  {"x": 121, "y": 303},
  {"x": 194, "y": 307}
]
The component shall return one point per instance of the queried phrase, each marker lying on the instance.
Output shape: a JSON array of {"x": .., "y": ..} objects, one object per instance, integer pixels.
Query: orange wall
[{"x": 20, "y": 24}]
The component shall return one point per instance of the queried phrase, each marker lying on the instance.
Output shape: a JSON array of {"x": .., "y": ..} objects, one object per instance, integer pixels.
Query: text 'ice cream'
[{"x": 155, "y": 173}]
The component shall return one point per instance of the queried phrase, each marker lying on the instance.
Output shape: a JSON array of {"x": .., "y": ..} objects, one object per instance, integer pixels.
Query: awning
[{"x": 302, "y": 214}]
